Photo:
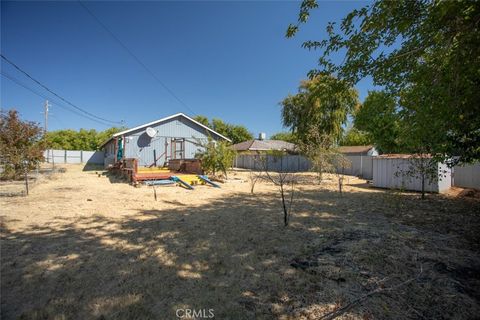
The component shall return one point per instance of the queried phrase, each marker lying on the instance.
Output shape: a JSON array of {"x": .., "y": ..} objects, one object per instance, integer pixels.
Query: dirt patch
[{"x": 124, "y": 255}]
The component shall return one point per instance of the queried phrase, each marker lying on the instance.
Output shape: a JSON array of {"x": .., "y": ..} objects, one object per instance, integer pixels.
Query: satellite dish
[{"x": 151, "y": 132}]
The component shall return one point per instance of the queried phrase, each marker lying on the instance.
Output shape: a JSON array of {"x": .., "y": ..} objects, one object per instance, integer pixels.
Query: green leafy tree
[
  {"x": 236, "y": 133},
  {"x": 104, "y": 135},
  {"x": 61, "y": 139},
  {"x": 324, "y": 156},
  {"x": 322, "y": 104},
  {"x": 355, "y": 137},
  {"x": 21, "y": 145},
  {"x": 79, "y": 140},
  {"x": 216, "y": 156},
  {"x": 318, "y": 148},
  {"x": 378, "y": 117},
  {"x": 417, "y": 140},
  {"x": 225, "y": 156},
  {"x": 284, "y": 136},
  {"x": 421, "y": 166},
  {"x": 202, "y": 119},
  {"x": 220, "y": 126},
  {"x": 423, "y": 53}
]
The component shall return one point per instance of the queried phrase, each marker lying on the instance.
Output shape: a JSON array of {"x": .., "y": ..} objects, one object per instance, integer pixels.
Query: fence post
[
  {"x": 361, "y": 166},
  {"x": 26, "y": 175},
  {"x": 65, "y": 158},
  {"x": 81, "y": 156}
]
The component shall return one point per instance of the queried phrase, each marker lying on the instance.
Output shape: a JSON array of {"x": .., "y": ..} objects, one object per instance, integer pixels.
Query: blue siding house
[{"x": 175, "y": 137}]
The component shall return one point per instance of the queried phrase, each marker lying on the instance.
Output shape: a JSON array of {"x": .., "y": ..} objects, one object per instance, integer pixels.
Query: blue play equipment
[
  {"x": 159, "y": 182},
  {"x": 186, "y": 185},
  {"x": 205, "y": 179}
]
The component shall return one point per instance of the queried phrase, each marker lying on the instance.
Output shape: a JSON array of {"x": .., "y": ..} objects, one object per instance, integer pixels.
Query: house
[
  {"x": 358, "y": 150},
  {"x": 155, "y": 143},
  {"x": 262, "y": 145},
  {"x": 248, "y": 151}
]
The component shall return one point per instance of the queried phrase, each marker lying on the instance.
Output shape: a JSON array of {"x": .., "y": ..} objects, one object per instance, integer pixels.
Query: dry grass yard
[{"x": 88, "y": 247}]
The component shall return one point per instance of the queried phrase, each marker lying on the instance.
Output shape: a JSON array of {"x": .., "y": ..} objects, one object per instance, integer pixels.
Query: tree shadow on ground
[
  {"x": 235, "y": 257},
  {"x": 93, "y": 167}
]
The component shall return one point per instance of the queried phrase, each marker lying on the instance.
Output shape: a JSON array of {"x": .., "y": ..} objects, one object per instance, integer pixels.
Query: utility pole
[
  {"x": 46, "y": 127},
  {"x": 46, "y": 115}
]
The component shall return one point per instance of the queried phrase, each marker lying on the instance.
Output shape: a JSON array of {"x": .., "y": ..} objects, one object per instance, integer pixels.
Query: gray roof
[{"x": 264, "y": 145}]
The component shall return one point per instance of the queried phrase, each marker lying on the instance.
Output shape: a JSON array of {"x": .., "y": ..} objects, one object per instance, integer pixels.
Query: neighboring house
[
  {"x": 248, "y": 151},
  {"x": 358, "y": 150},
  {"x": 262, "y": 145},
  {"x": 175, "y": 137}
]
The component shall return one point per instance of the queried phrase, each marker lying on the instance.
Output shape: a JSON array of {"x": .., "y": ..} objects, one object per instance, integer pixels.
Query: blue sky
[{"x": 228, "y": 60}]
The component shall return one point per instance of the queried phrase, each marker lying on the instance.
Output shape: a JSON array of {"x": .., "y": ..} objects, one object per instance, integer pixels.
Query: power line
[
  {"x": 9, "y": 77},
  {"x": 55, "y": 94},
  {"x": 136, "y": 58}
]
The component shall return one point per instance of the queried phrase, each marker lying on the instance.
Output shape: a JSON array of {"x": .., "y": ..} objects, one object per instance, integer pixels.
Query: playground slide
[
  {"x": 205, "y": 178},
  {"x": 186, "y": 185}
]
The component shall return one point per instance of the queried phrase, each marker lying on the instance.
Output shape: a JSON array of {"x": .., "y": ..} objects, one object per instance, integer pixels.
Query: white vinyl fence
[
  {"x": 390, "y": 173},
  {"x": 288, "y": 163},
  {"x": 361, "y": 166},
  {"x": 73, "y": 156},
  {"x": 467, "y": 176}
]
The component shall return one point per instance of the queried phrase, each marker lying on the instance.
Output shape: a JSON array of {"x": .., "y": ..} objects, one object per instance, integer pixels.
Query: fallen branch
[{"x": 336, "y": 313}]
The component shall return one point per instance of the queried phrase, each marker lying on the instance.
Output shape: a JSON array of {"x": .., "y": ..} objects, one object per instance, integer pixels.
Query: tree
[
  {"x": 216, "y": 156},
  {"x": 421, "y": 166},
  {"x": 417, "y": 140},
  {"x": 224, "y": 156},
  {"x": 322, "y": 104},
  {"x": 79, "y": 140},
  {"x": 281, "y": 179},
  {"x": 318, "y": 148},
  {"x": 284, "y": 136},
  {"x": 355, "y": 137},
  {"x": 378, "y": 117},
  {"x": 104, "y": 135},
  {"x": 236, "y": 133},
  {"x": 202, "y": 119},
  {"x": 423, "y": 53},
  {"x": 21, "y": 144},
  {"x": 324, "y": 156},
  {"x": 340, "y": 162}
]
